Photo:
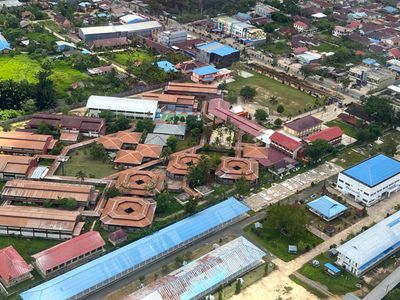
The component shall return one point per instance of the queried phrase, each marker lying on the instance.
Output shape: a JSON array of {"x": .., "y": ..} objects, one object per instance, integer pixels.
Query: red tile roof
[
  {"x": 285, "y": 141},
  {"x": 395, "y": 52},
  {"x": 12, "y": 265},
  {"x": 301, "y": 24},
  {"x": 68, "y": 250},
  {"x": 327, "y": 134}
]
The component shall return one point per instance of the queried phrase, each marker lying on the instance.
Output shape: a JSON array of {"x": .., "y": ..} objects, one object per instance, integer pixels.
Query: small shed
[
  {"x": 292, "y": 249},
  {"x": 331, "y": 269},
  {"x": 117, "y": 237},
  {"x": 258, "y": 225}
]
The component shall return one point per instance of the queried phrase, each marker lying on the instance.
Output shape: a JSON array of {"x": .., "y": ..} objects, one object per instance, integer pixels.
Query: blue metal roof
[
  {"x": 369, "y": 61},
  {"x": 332, "y": 268},
  {"x": 166, "y": 66},
  {"x": 126, "y": 259},
  {"x": 217, "y": 48},
  {"x": 205, "y": 70},
  {"x": 374, "y": 170},
  {"x": 4, "y": 45},
  {"x": 327, "y": 207}
]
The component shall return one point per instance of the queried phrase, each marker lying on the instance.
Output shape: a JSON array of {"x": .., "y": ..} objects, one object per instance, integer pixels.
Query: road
[
  {"x": 385, "y": 286},
  {"x": 234, "y": 230}
]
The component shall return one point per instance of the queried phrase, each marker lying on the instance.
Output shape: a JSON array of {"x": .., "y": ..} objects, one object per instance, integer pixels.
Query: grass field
[
  {"x": 349, "y": 158},
  {"x": 25, "y": 246},
  {"x": 278, "y": 48},
  {"x": 342, "y": 284},
  {"x": 277, "y": 243},
  {"x": 347, "y": 128},
  {"x": 188, "y": 142},
  {"x": 123, "y": 58},
  {"x": 22, "y": 67},
  {"x": 80, "y": 160},
  {"x": 292, "y": 99}
]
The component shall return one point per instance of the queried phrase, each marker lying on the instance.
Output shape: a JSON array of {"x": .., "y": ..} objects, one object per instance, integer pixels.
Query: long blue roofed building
[
  {"x": 206, "y": 274},
  {"x": 109, "y": 268},
  {"x": 369, "y": 248},
  {"x": 371, "y": 180}
]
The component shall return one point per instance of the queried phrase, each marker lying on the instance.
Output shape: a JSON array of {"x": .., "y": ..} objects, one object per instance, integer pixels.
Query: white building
[
  {"x": 172, "y": 37},
  {"x": 128, "y": 107},
  {"x": 264, "y": 10},
  {"x": 371, "y": 180},
  {"x": 369, "y": 248},
  {"x": 376, "y": 78}
]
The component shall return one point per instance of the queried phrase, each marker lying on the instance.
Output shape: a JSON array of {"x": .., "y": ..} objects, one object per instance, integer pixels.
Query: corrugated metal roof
[
  {"x": 122, "y": 104},
  {"x": 327, "y": 206},
  {"x": 373, "y": 244},
  {"x": 217, "y": 48},
  {"x": 374, "y": 170},
  {"x": 12, "y": 265},
  {"x": 174, "y": 129},
  {"x": 207, "y": 272},
  {"x": 128, "y": 258},
  {"x": 4, "y": 45}
]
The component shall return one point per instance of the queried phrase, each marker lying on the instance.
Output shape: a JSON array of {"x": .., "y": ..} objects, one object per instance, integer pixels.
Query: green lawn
[
  {"x": 347, "y": 128},
  {"x": 342, "y": 284},
  {"x": 123, "y": 58},
  {"x": 293, "y": 100},
  {"x": 188, "y": 142},
  {"x": 278, "y": 48},
  {"x": 349, "y": 158},
  {"x": 80, "y": 160},
  {"x": 22, "y": 67},
  {"x": 26, "y": 246},
  {"x": 307, "y": 287},
  {"x": 277, "y": 243}
]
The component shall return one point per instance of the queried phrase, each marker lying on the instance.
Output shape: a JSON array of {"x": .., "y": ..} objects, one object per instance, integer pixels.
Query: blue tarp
[
  {"x": 4, "y": 45},
  {"x": 374, "y": 170},
  {"x": 166, "y": 66},
  {"x": 369, "y": 61},
  {"x": 111, "y": 266},
  {"x": 332, "y": 268},
  {"x": 327, "y": 207}
]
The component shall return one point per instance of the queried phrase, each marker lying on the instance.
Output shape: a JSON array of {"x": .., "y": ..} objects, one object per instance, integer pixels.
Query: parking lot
[{"x": 290, "y": 186}]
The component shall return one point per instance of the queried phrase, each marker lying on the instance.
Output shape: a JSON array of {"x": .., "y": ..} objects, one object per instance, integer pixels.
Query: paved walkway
[
  {"x": 289, "y": 187},
  {"x": 382, "y": 289},
  {"x": 273, "y": 282}
]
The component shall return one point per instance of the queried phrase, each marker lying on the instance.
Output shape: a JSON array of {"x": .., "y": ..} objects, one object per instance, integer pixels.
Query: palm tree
[
  {"x": 81, "y": 175},
  {"x": 273, "y": 100}
]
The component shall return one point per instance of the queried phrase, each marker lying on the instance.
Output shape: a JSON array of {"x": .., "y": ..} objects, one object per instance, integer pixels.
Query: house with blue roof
[
  {"x": 166, "y": 66},
  {"x": 206, "y": 74},
  {"x": 220, "y": 55},
  {"x": 4, "y": 44},
  {"x": 371, "y": 180},
  {"x": 372, "y": 246},
  {"x": 326, "y": 208}
]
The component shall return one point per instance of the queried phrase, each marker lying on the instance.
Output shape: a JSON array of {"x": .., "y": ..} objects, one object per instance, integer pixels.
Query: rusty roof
[
  {"x": 31, "y": 189},
  {"x": 140, "y": 182},
  {"x": 253, "y": 151},
  {"x": 129, "y": 212},
  {"x": 25, "y": 140},
  {"x": 17, "y": 164},
  {"x": 149, "y": 150},
  {"x": 180, "y": 163},
  {"x": 170, "y": 98},
  {"x": 38, "y": 218},
  {"x": 195, "y": 88},
  {"x": 236, "y": 167},
  {"x": 68, "y": 250}
]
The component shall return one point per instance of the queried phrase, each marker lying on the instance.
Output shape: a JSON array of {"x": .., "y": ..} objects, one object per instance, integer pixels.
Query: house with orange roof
[
  {"x": 128, "y": 158},
  {"x": 120, "y": 140},
  {"x": 128, "y": 213},
  {"x": 180, "y": 163},
  {"x": 231, "y": 169},
  {"x": 136, "y": 182}
]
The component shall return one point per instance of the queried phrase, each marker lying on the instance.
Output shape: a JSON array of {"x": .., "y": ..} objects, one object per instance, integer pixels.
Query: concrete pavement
[{"x": 383, "y": 288}]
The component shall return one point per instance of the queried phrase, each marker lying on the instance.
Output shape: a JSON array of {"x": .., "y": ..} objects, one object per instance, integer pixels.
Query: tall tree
[
  {"x": 248, "y": 93},
  {"x": 317, "y": 150},
  {"x": 198, "y": 174},
  {"x": 45, "y": 92}
]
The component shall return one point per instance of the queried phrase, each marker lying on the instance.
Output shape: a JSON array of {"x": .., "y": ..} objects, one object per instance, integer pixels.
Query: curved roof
[{"x": 128, "y": 258}]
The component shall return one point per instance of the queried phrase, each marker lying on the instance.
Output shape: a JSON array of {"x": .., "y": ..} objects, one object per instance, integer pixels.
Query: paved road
[
  {"x": 385, "y": 286},
  {"x": 233, "y": 230}
]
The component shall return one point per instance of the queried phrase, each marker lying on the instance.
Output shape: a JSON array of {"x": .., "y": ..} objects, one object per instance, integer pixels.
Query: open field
[
  {"x": 26, "y": 246},
  {"x": 349, "y": 158},
  {"x": 346, "y": 128},
  {"x": 22, "y": 67},
  {"x": 293, "y": 100},
  {"x": 80, "y": 160},
  {"x": 123, "y": 58},
  {"x": 340, "y": 285},
  {"x": 277, "y": 243}
]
